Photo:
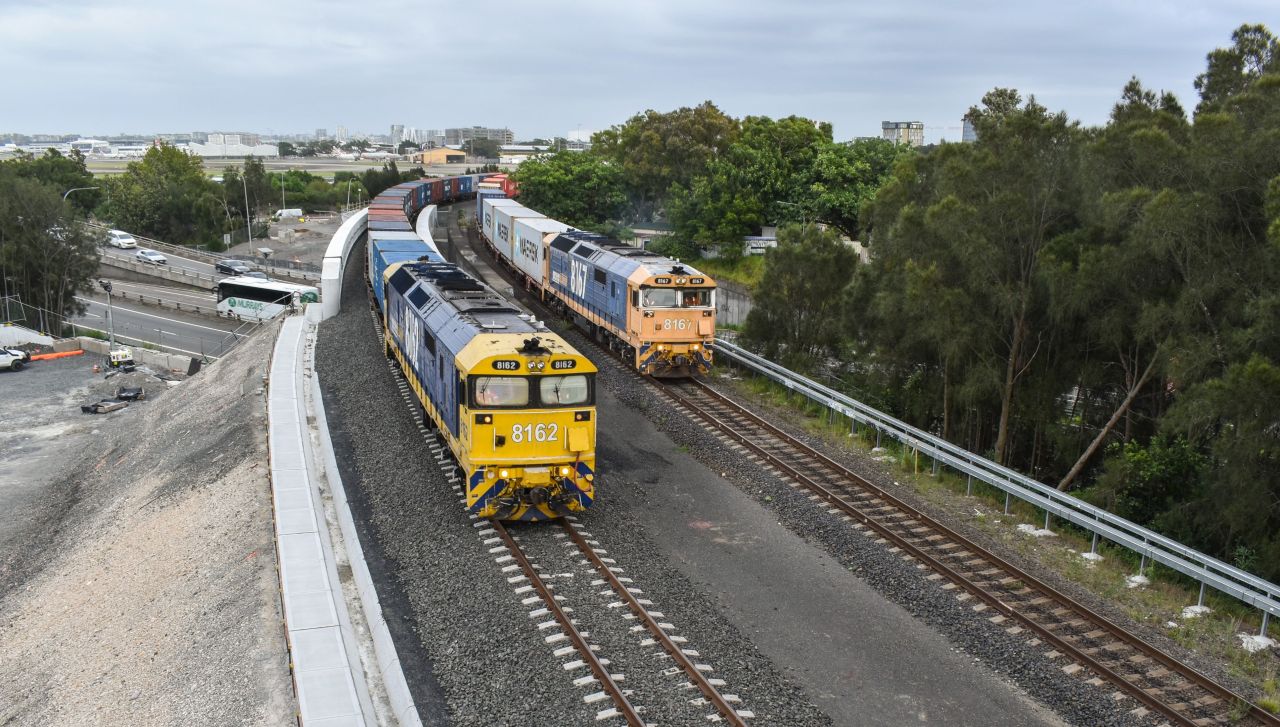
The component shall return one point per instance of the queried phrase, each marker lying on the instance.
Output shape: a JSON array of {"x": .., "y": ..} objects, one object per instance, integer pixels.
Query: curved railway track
[{"x": 1088, "y": 644}]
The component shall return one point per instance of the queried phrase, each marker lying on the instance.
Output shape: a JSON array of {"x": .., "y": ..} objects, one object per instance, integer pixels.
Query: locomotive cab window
[
  {"x": 499, "y": 391},
  {"x": 564, "y": 390},
  {"x": 659, "y": 298},
  {"x": 695, "y": 297}
]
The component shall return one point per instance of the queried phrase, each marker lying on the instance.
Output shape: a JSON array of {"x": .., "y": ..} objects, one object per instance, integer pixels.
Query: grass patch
[{"x": 746, "y": 270}]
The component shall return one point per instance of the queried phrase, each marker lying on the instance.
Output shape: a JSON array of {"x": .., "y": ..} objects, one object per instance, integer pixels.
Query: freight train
[
  {"x": 514, "y": 402},
  {"x": 657, "y": 313}
]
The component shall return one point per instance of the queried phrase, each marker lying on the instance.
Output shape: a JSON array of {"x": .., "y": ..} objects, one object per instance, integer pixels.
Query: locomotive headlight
[
  {"x": 542, "y": 365},
  {"x": 695, "y": 347},
  {"x": 648, "y": 314},
  {"x": 490, "y": 474},
  {"x": 531, "y": 365},
  {"x": 662, "y": 347},
  {"x": 504, "y": 473},
  {"x": 565, "y": 471},
  {"x": 680, "y": 281}
]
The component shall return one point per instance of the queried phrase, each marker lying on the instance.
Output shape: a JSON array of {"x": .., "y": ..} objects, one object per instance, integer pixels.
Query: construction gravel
[
  {"x": 472, "y": 654},
  {"x": 148, "y": 594}
]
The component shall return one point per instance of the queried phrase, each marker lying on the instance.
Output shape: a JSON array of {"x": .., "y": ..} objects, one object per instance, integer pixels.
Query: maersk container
[
  {"x": 503, "y": 233},
  {"x": 486, "y": 222},
  {"x": 529, "y": 250}
]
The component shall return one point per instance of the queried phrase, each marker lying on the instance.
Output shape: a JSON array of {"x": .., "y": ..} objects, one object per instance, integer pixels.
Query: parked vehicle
[
  {"x": 10, "y": 360},
  {"x": 24, "y": 355},
  {"x": 121, "y": 239},
  {"x": 232, "y": 267},
  {"x": 151, "y": 256}
]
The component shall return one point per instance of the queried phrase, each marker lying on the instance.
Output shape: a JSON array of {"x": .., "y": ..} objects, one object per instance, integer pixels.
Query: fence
[{"x": 1149, "y": 545}]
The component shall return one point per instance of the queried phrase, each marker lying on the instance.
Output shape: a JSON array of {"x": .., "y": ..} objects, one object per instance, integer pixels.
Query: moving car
[
  {"x": 121, "y": 239},
  {"x": 151, "y": 256},
  {"x": 11, "y": 359},
  {"x": 232, "y": 267}
]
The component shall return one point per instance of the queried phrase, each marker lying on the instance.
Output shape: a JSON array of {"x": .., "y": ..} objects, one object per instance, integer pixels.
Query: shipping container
[
  {"x": 486, "y": 193},
  {"x": 530, "y": 247},
  {"x": 384, "y": 250},
  {"x": 503, "y": 233},
  {"x": 486, "y": 213}
]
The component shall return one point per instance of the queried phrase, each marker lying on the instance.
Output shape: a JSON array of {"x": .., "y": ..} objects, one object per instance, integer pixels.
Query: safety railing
[
  {"x": 1149, "y": 545},
  {"x": 276, "y": 268}
]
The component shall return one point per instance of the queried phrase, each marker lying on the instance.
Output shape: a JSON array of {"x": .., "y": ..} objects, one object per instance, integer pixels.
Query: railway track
[
  {"x": 622, "y": 594},
  {"x": 541, "y": 575},
  {"x": 1088, "y": 645}
]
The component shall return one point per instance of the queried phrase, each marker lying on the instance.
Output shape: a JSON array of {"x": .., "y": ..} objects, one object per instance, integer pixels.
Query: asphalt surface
[
  {"x": 176, "y": 331},
  {"x": 174, "y": 261},
  {"x": 185, "y": 296}
]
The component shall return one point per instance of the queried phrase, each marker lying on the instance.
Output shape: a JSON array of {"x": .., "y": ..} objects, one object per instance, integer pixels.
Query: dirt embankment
[{"x": 153, "y": 599}]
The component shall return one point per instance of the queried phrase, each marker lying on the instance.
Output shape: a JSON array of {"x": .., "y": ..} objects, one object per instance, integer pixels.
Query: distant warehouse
[
  {"x": 232, "y": 145},
  {"x": 442, "y": 155}
]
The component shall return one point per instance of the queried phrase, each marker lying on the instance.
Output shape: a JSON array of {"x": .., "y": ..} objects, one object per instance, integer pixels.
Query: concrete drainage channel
[{"x": 338, "y": 679}]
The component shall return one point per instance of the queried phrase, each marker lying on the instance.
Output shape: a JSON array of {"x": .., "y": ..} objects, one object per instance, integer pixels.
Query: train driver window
[
  {"x": 564, "y": 390},
  {"x": 500, "y": 390},
  {"x": 696, "y": 297},
  {"x": 658, "y": 298}
]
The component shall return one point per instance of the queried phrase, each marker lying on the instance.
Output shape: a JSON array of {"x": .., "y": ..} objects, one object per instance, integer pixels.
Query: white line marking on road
[{"x": 162, "y": 318}]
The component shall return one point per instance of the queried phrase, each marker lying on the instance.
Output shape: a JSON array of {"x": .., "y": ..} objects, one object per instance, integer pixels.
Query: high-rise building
[
  {"x": 322, "y": 133},
  {"x": 969, "y": 134},
  {"x": 903, "y": 132},
  {"x": 433, "y": 137},
  {"x": 342, "y": 133},
  {"x": 463, "y": 135},
  {"x": 397, "y": 134}
]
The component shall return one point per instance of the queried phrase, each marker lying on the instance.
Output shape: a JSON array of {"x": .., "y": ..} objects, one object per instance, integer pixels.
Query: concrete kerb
[
  {"x": 329, "y": 682},
  {"x": 337, "y": 677},
  {"x": 388, "y": 660}
]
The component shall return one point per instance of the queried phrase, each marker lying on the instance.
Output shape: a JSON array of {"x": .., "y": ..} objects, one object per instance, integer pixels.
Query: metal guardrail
[
  {"x": 208, "y": 309},
  {"x": 213, "y": 257},
  {"x": 165, "y": 272},
  {"x": 1148, "y": 544}
]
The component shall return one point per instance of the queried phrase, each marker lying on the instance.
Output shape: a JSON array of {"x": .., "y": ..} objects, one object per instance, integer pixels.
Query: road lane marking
[{"x": 162, "y": 318}]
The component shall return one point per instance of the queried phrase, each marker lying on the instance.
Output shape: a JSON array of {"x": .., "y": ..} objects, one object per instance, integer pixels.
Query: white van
[
  {"x": 119, "y": 238},
  {"x": 293, "y": 212}
]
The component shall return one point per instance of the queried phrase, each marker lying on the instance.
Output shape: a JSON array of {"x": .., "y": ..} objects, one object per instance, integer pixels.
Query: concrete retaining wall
[
  {"x": 154, "y": 359},
  {"x": 335, "y": 257},
  {"x": 164, "y": 272},
  {"x": 733, "y": 303}
]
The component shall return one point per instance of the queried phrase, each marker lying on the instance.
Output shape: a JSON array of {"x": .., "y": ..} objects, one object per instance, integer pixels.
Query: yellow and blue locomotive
[{"x": 512, "y": 401}]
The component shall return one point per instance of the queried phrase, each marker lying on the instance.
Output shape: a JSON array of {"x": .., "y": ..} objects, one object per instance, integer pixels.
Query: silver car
[{"x": 151, "y": 256}]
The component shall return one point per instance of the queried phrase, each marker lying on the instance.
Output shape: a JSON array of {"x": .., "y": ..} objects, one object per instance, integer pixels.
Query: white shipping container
[
  {"x": 482, "y": 195},
  {"x": 504, "y": 218},
  {"x": 530, "y": 248},
  {"x": 488, "y": 205}
]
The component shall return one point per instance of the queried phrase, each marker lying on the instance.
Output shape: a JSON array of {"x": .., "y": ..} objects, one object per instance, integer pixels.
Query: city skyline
[{"x": 140, "y": 66}]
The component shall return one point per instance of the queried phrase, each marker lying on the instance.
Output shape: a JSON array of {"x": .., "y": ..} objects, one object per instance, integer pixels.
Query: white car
[
  {"x": 151, "y": 256},
  {"x": 120, "y": 238},
  {"x": 10, "y": 359}
]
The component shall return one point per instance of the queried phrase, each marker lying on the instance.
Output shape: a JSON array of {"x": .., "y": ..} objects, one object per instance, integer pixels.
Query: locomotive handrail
[{"x": 1205, "y": 569}]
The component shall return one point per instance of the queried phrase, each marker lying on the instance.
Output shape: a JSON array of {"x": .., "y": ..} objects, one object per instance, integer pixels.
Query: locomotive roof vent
[
  {"x": 532, "y": 345},
  {"x": 678, "y": 269}
]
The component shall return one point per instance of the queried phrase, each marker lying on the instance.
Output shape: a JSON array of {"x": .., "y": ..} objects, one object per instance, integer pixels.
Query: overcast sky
[{"x": 547, "y": 68}]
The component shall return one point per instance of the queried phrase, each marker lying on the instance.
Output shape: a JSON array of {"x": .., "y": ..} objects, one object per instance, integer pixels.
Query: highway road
[
  {"x": 172, "y": 330},
  {"x": 185, "y": 296},
  {"x": 175, "y": 261}
]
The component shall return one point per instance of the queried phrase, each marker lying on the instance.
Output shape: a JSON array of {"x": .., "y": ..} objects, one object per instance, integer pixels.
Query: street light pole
[
  {"x": 244, "y": 179},
  {"x": 111, "y": 327},
  {"x": 75, "y": 189}
]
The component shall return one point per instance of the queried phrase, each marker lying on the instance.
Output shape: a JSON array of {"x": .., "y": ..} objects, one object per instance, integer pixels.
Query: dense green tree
[
  {"x": 656, "y": 150},
  {"x": 166, "y": 195},
  {"x": 762, "y": 177},
  {"x": 576, "y": 188},
  {"x": 407, "y": 146},
  {"x": 62, "y": 172},
  {"x": 483, "y": 148},
  {"x": 286, "y": 149},
  {"x": 845, "y": 177},
  {"x": 1254, "y": 53},
  {"x": 46, "y": 257},
  {"x": 795, "y": 314}
]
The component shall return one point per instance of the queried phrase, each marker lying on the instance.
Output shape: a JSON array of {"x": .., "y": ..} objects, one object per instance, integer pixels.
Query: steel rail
[
  {"x": 624, "y": 705},
  {"x": 987, "y": 597},
  {"x": 726, "y": 709}
]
